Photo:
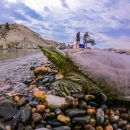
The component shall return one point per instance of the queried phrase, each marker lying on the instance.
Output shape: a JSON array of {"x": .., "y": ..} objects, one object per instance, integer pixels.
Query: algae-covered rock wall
[{"x": 76, "y": 79}]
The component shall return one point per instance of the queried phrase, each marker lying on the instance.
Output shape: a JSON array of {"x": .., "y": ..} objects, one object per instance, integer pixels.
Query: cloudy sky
[{"x": 107, "y": 21}]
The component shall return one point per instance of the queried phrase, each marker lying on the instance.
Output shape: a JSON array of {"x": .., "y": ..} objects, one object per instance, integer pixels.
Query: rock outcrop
[{"x": 20, "y": 37}]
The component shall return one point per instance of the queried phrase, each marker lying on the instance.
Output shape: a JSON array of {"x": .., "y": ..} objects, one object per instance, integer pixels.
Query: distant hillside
[{"x": 19, "y": 36}]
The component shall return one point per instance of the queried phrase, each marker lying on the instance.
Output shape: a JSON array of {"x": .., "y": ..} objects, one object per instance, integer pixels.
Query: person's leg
[{"x": 78, "y": 44}]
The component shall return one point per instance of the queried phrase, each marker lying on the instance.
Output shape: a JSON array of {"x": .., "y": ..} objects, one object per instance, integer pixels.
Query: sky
[{"x": 107, "y": 21}]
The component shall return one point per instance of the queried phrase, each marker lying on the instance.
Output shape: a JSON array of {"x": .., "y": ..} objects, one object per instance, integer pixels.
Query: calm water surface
[{"x": 13, "y": 54}]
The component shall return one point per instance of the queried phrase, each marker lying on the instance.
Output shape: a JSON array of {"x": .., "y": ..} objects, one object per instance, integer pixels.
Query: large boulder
[{"x": 108, "y": 68}]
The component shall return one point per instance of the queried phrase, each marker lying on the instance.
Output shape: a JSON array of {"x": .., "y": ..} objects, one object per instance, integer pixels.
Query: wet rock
[
  {"x": 104, "y": 107},
  {"x": 89, "y": 97},
  {"x": 100, "y": 97},
  {"x": 40, "y": 108},
  {"x": 114, "y": 119},
  {"x": 28, "y": 128},
  {"x": 58, "y": 111},
  {"x": 16, "y": 98},
  {"x": 55, "y": 122},
  {"x": 36, "y": 117},
  {"x": 54, "y": 72},
  {"x": 33, "y": 103},
  {"x": 75, "y": 112},
  {"x": 69, "y": 100},
  {"x": 8, "y": 108},
  {"x": 49, "y": 115},
  {"x": 55, "y": 101},
  {"x": 100, "y": 116},
  {"x": 89, "y": 127},
  {"x": 25, "y": 114},
  {"x": 62, "y": 128},
  {"x": 41, "y": 70},
  {"x": 41, "y": 95},
  {"x": 91, "y": 111},
  {"x": 40, "y": 125},
  {"x": 82, "y": 104},
  {"x": 108, "y": 127},
  {"x": 81, "y": 120},
  {"x": 63, "y": 118},
  {"x": 22, "y": 101},
  {"x": 92, "y": 121},
  {"x": 77, "y": 127},
  {"x": 99, "y": 128}
]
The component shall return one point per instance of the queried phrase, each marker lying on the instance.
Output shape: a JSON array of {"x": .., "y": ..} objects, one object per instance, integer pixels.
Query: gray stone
[
  {"x": 25, "y": 114},
  {"x": 8, "y": 108},
  {"x": 62, "y": 128},
  {"x": 100, "y": 116}
]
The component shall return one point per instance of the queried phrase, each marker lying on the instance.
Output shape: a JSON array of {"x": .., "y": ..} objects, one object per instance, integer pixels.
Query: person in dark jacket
[
  {"x": 86, "y": 39},
  {"x": 77, "y": 39}
]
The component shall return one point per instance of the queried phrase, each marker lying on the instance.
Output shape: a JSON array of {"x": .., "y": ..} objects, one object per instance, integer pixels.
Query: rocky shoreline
[{"x": 34, "y": 108}]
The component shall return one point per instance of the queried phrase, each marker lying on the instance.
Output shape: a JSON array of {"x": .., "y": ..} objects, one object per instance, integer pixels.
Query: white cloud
[{"x": 87, "y": 15}]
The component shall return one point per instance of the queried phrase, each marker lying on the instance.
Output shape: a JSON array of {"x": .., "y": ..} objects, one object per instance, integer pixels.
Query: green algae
[{"x": 75, "y": 81}]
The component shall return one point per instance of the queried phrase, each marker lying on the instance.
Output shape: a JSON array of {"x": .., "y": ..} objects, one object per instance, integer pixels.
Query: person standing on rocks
[
  {"x": 77, "y": 39},
  {"x": 86, "y": 39}
]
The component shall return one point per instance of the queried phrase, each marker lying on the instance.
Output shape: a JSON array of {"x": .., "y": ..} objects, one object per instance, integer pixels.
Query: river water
[{"x": 15, "y": 67}]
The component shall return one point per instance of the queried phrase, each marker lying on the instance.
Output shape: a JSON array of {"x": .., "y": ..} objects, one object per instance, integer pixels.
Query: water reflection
[{"x": 12, "y": 54}]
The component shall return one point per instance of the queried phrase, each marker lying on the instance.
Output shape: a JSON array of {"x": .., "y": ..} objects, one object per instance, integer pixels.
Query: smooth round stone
[
  {"x": 42, "y": 128},
  {"x": 36, "y": 117},
  {"x": 63, "y": 119},
  {"x": 99, "y": 128},
  {"x": 89, "y": 97},
  {"x": 82, "y": 104},
  {"x": 108, "y": 127},
  {"x": 49, "y": 115},
  {"x": 100, "y": 116},
  {"x": 100, "y": 97},
  {"x": 81, "y": 120},
  {"x": 58, "y": 111},
  {"x": 20, "y": 127},
  {"x": 91, "y": 111},
  {"x": 122, "y": 123},
  {"x": 114, "y": 119},
  {"x": 55, "y": 122},
  {"x": 75, "y": 112},
  {"x": 62, "y": 128},
  {"x": 33, "y": 103},
  {"x": 89, "y": 127},
  {"x": 92, "y": 121},
  {"x": 22, "y": 101},
  {"x": 25, "y": 114}
]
